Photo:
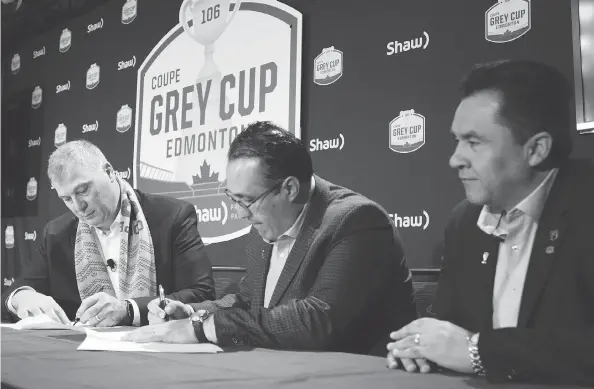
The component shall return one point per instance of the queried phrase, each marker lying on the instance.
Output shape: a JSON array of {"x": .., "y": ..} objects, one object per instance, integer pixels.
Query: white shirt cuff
[
  {"x": 9, "y": 305},
  {"x": 209, "y": 329},
  {"x": 136, "y": 321}
]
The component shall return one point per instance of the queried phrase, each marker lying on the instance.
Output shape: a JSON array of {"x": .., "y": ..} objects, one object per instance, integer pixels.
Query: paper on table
[
  {"x": 112, "y": 341},
  {"x": 42, "y": 322}
]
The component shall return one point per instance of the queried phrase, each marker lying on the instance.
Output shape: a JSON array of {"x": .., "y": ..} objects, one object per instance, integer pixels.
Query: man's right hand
[
  {"x": 30, "y": 303},
  {"x": 174, "y": 309}
]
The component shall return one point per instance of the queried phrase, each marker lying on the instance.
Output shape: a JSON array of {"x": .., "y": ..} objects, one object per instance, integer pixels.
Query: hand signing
[
  {"x": 176, "y": 331},
  {"x": 435, "y": 340},
  {"x": 173, "y": 309}
]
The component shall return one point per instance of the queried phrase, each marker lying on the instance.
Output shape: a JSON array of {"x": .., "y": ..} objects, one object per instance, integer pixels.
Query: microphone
[{"x": 111, "y": 264}]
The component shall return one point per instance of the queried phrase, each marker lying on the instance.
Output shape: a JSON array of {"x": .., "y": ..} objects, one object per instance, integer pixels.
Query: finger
[
  {"x": 403, "y": 343},
  {"x": 85, "y": 305},
  {"x": 173, "y": 306},
  {"x": 424, "y": 365},
  {"x": 409, "y": 364},
  {"x": 35, "y": 311},
  {"x": 392, "y": 361},
  {"x": 59, "y": 312},
  {"x": 49, "y": 311},
  {"x": 407, "y": 330},
  {"x": 92, "y": 315},
  {"x": 154, "y": 319},
  {"x": 410, "y": 353},
  {"x": 23, "y": 313}
]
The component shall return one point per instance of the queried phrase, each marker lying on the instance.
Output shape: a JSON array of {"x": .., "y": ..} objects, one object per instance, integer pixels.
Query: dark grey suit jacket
[
  {"x": 344, "y": 287},
  {"x": 183, "y": 268},
  {"x": 554, "y": 339}
]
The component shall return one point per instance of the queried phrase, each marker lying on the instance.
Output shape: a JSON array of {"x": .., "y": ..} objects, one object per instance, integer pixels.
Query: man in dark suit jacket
[
  {"x": 516, "y": 294},
  {"x": 326, "y": 268},
  {"x": 50, "y": 284}
]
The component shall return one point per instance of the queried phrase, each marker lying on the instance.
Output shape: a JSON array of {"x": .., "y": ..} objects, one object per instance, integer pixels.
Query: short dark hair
[
  {"x": 280, "y": 151},
  {"x": 534, "y": 98}
]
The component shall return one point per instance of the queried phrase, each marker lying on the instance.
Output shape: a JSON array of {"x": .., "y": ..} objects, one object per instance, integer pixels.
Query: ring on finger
[
  {"x": 417, "y": 339},
  {"x": 97, "y": 318}
]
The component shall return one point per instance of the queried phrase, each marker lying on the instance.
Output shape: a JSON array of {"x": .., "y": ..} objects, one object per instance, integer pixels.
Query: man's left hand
[
  {"x": 101, "y": 310},
  {"x": 176, "y": 331},
  {"x": 438, "y": 341}
]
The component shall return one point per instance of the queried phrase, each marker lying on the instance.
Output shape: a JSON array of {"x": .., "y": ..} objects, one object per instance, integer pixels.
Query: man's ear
[
  {"x": 538, "y": 148},
  {"x": 109, "y": 171},
  {"x": 291, "y": 185}
]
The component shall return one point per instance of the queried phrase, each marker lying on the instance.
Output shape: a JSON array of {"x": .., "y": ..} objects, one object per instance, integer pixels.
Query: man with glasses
[{"x": 325, "y": 266}]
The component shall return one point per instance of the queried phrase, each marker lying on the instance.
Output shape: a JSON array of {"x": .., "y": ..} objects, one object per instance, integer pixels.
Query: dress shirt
[{"x": 517, "y": 228}]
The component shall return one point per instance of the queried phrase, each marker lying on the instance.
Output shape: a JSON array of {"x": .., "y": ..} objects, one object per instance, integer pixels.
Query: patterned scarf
[{"x": 136, "y": 262}]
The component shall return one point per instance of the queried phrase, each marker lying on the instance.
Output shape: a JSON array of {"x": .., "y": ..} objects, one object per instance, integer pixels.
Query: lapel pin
[
  {"x": 554, "y": 235},
  {"x": 485, "y": 257},
  {"x": 263, "y": 251},
  {"x": 550, "y": 250}
]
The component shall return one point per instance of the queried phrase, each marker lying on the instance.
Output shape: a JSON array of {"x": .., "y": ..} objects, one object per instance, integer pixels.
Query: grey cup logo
[
  {"x": 31, "y": 235},
  {"x": 95, "y": 26},
  {"x": 9, "y": 237},
  {"x": 93, "y": 76},
  {"x": 419, "y": 221},
  {"x": 31, "y": 189},
  {"x": 15, "y": 64},
  {"x": 65, "y": 40},
  {"x": 90, "y": 127},
  {"x": 407, "y": 132},
  {"x": 36, "y": 97},
  {"x": 507, "y": 20},
  {"x": 127, "y": 64},
  {"x": 35, "y": 142},
  {"x": 125, "y": 174},
  {"x": 397, "y": 47},
  {"x": 8, "y": 281},
  {"x": 319, "y": 145},
  {"x": 63, "y": 87},
  {"x": 60, "y": 137},
  {"x": 39, "y": 53},
  {"x": 129, "y": 11},
  {"x": 328, "y": 66},
  {"x": 124, "y": 119}
]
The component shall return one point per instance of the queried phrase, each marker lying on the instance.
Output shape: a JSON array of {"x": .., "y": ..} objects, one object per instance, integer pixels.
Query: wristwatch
[
  {"x": 475, "y": 358},
  {"x": 197, "y": 319},
  {"x": 128, "y": 320}
]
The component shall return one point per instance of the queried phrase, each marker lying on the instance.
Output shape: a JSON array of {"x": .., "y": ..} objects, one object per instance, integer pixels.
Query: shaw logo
[
  {"x": 65, "y": 40},
  {"x": 129, "y": 11},
  {"x": 336, "y": 143},
  {"x": 96, "y": 26},
  {"x": 407, "y": 132},
  {"x": 31, "y": 189},
  {"x": 63, "y": 87},
  {"x": 15, "y": 64},
  {"x": 127, "y": 64},
  {"x": 125, "y": 174},
  {"x": 35, "y": 142},
  {"x": 39, "y": 53},
  {"x": 93, "y": 76},
  {"x": 124, "y": 119},
  {"x": 411, "y": 221},
  {"x": 90, "y": 127},
  {"x": 36, "y": 97},
  {"x": 31, "y": 235},
  {"x": 60, "y": 136},
  {"x": 328, "y": 66},
  {"x": 507, "y": 20},
  {"x": 217, "y": 214},
  {"x": 9, "y": 237},
  {"x": 397, "y": 47},
  {"x": 8, "y": 281}
]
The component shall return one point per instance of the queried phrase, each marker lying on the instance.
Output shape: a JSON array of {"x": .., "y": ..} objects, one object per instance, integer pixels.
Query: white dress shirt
[
  {"x": 281, "y": 249},
  {"x": 517, "y": 228}
]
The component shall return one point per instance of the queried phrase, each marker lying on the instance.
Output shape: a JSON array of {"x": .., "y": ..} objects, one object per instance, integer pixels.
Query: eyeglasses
[{"x": 246, "y": 206}]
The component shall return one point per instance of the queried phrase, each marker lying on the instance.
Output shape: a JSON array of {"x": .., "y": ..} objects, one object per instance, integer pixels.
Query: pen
[
  {"x": 162, "y": 301},
  {"x": 75, "y": 322}
]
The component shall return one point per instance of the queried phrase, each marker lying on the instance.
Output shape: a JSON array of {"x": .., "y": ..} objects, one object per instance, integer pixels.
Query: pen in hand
[{"x": 162, "y": 303}]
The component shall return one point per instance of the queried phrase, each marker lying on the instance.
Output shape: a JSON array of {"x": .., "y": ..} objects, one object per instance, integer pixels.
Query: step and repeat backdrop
[{"x": 164, "y": 86}]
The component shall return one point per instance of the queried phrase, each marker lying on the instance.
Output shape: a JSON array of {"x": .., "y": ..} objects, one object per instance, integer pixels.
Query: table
[{"x": 49, "y": 359}]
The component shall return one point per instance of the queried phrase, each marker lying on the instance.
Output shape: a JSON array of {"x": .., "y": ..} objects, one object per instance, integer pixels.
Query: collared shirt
[
  {"x": 517, "y": 228},
  {"x": 280, "y": 252}
]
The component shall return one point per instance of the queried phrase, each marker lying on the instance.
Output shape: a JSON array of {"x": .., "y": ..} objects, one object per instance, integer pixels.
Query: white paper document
[
  {"x": 42, "y": 322},
  {"x": 112, "y": 341}
]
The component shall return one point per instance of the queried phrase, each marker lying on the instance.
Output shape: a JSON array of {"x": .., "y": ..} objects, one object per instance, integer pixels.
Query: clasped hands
[{"x": 428, "y": 339}]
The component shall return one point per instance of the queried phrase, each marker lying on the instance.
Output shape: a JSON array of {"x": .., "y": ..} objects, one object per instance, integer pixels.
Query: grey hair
[{"x": 79, "y": 153}]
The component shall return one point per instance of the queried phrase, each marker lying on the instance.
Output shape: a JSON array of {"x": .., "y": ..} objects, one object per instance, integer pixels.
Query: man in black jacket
[
  {"x": 516, "y": 294},
  {"x": 103, "y": 262}
]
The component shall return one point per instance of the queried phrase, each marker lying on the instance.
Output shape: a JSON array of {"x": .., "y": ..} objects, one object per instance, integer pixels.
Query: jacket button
[{"x": 234, "y": 340}]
